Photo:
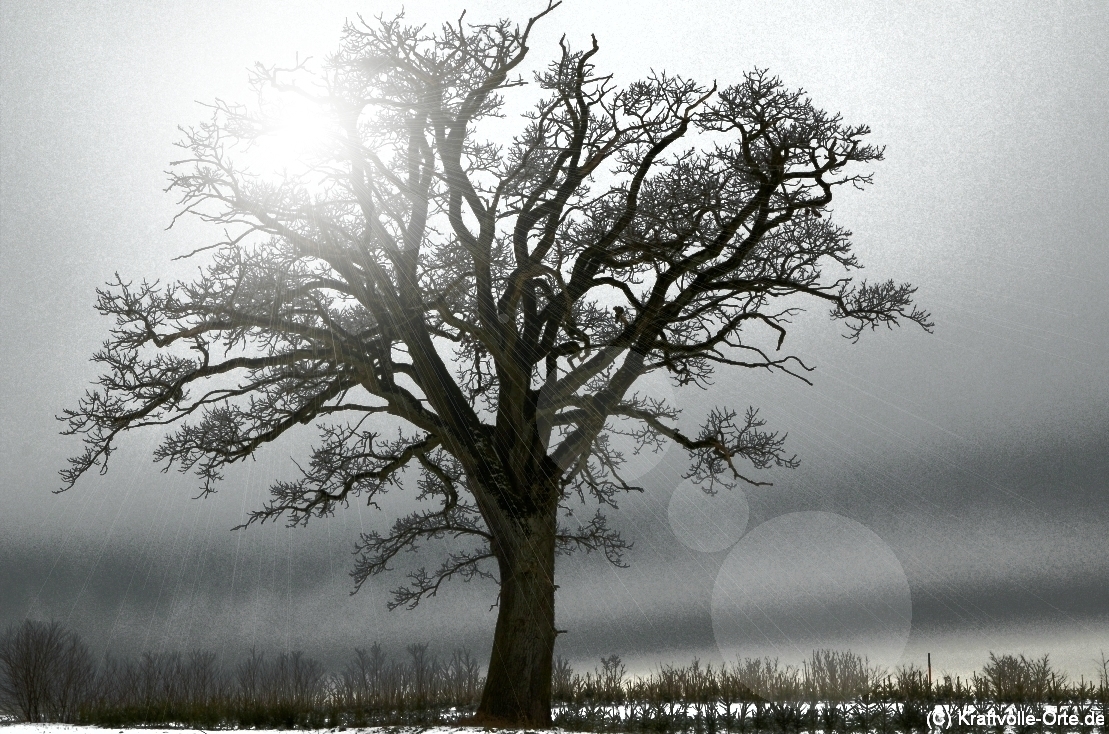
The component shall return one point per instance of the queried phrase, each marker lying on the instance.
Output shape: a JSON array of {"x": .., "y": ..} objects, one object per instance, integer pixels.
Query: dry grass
[{"x": 47, "y": 674}]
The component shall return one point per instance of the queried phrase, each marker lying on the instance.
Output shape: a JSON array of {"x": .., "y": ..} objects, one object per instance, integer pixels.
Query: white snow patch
[{"x": 74, "y": 729}]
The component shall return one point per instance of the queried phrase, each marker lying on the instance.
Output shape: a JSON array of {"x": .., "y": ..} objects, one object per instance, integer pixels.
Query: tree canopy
[{"x": 497, "y": 295}]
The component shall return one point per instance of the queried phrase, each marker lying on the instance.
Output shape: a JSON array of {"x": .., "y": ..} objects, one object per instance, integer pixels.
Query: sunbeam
[{"x": 295, "y": 139}]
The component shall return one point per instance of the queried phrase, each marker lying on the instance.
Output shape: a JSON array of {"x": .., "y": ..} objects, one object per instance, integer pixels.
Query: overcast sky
[{"x": 954, "y": 487}]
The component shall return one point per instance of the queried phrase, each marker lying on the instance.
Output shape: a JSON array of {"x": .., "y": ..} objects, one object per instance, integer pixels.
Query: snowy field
[{"x": 74, "y": 729}]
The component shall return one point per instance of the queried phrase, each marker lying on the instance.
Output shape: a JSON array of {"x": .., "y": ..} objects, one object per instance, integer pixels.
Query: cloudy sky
[{"x": 953, "y": 495}]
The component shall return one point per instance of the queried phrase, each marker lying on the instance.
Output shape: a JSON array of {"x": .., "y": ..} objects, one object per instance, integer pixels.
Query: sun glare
[{"x": 296, "y": 135}]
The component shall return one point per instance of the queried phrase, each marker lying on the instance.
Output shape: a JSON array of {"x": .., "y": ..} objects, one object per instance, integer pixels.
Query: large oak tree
[{"x": 498, "y": 299}]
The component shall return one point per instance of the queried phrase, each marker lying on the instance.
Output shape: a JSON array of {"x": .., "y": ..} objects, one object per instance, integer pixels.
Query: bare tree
[
  {"x": 45, "y": 672},
  {"x": 498, "y": 299}
]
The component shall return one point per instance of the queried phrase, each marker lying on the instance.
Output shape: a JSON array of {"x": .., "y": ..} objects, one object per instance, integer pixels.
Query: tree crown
[{"x": 498, "y": 298}]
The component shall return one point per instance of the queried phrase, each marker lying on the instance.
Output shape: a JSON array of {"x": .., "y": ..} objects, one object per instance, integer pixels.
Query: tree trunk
[{"x": 518, "y": 686}]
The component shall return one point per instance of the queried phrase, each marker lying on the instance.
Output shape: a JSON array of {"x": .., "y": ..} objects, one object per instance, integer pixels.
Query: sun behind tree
[
  {"x": 498, "y": 299},
  {"x": 293, "y": 134}
]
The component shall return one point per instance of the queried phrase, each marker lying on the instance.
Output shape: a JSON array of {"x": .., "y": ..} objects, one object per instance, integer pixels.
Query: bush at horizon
[{"x": 47, "y": 674}]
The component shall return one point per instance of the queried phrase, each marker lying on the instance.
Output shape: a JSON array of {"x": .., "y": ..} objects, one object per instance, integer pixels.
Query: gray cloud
[{"x": 980, "y": 454}]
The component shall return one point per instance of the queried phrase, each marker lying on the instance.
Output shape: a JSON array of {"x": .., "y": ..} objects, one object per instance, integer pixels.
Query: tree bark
[{"x": 518, "y": 686}]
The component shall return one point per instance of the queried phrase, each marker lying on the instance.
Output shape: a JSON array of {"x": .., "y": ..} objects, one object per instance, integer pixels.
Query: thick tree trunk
[{"x": 518, "y": 686}]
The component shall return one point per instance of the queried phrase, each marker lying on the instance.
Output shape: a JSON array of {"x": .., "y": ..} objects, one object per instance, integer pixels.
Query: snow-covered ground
[{"x": 73, "y": 729}]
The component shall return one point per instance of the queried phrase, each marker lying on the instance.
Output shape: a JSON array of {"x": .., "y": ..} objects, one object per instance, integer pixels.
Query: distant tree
[
  {"x": 45, "y": 672},
  {"x": 499, "y": 299}
]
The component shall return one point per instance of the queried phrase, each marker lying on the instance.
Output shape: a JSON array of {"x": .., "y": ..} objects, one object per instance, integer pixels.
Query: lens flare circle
[
  {"x": 808, "y": 581},
  {"x": 708, "y": 523}
]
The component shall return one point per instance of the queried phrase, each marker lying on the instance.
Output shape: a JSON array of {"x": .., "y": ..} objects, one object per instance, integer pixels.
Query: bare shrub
[
  {"x": 768, "y": 679},
  {"x": 422, "y": 673},
  {"x": 250, "y": 678},
  {"x": 611, "y": 679},
  {"x": 1017, "y": 679},
  {"x": 160, "y": 678},
  {"x": 1103, "y": 672},
  {"x": 833, "y": 675},
  {"x": 287, "y": 691},
  {"x": 369, "y": 682},
  {"x": 202, "y": 679},
  {"x": 562, "y": 680},
  {"x": 118, "y": 686},
  {"x": 45, "y": 672},
  {"x": 463, "y": 681},
  {"x": 909, "y": 683}
]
